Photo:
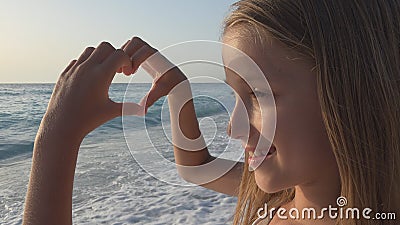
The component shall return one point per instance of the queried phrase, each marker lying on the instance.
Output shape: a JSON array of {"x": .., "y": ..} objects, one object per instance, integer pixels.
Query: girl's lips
[
  {"x": 255, "y": 160},
  {"x": 260, "y": 152}
]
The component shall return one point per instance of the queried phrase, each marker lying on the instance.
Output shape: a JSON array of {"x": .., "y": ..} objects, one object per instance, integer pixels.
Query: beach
[{"x": 110, "y": 186}]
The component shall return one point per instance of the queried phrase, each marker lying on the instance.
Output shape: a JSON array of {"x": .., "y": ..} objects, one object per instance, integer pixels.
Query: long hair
[{"x": 355, "y": 45}]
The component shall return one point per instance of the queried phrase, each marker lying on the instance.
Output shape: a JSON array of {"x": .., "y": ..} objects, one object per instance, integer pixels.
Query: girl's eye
[{"x": 260, "y": 94}]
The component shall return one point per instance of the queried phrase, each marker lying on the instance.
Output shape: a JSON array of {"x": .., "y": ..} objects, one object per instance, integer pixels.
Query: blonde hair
[{"x": 355, "y": 47}]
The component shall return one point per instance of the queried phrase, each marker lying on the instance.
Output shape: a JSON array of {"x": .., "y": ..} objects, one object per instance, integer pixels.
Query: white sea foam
[{"x": 111, "y": 188}]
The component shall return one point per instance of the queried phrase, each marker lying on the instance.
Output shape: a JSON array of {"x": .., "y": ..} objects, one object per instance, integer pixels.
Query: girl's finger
[
  {"x": 70, "y": 65},
  {"x": 123, "y": 47},
  {"x": 83, "y": 57},
  {"x": 101, "y": 52},
  {"x": 133, "y": 45},
  {"x": 131, "y": 48},
  {"x": 115, "y": 61},
  {"x": 141, "y": 55}
]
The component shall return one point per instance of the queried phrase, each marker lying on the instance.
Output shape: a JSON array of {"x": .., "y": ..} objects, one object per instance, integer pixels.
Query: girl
[
  {"x": 337, "y": 101},
  {"x": 334, "y": 70}
]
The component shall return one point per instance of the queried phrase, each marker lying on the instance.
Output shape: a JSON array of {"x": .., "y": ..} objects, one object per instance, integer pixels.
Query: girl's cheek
[{"x": 266, "y": 116}]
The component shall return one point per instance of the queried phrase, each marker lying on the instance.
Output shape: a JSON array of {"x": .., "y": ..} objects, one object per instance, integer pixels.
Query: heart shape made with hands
[{"x": 156, "y": 66}]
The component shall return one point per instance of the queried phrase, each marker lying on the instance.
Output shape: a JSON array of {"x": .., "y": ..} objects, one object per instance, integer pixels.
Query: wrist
[
  {"x": 61, "y": 130},
  {"x": 182, "y": 88},
  {"x": 56, "y": 140},
  {"x": 50, "y": 138}
]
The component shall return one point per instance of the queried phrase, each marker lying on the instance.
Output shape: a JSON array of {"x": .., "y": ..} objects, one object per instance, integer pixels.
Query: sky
[{"x": 39, "y": 38}]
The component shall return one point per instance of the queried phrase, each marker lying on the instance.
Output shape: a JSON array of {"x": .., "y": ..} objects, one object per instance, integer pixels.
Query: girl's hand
[
  {"x": 139, "y": 51},
  {"x": 80, "y": 101}
]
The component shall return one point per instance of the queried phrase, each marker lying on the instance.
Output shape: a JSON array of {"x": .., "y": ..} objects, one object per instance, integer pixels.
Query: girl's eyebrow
[
  {"x": 238, "y": 83},
  {"x": 251, "y": 82}
]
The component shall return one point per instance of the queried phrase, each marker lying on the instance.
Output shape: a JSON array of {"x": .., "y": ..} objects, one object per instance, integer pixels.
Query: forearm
[
  {"x": 189, "y": 145},
  {"x": 194, "y": 163},
  {"x": 49, "y": 196},
  {"x": 79, "y": 104}
]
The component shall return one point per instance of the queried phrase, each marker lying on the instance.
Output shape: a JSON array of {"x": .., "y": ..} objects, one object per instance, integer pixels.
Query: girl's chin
[
  {"x": 266, "y": 181},
  {"x": 270, "y": 189}
]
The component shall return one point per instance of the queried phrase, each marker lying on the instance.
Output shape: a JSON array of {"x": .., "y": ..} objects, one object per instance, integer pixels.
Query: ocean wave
[
  {"x": 11, "y": 150},
  {"x": 23, "y": 105}
]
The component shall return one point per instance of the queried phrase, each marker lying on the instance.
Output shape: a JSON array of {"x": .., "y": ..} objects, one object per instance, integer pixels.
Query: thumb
[
  {"x": 151, "y": 97},
  {"x": 126, "y": 109}
]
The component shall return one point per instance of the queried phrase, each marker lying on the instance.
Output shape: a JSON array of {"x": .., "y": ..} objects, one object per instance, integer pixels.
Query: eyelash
[
  {"x": 253, "y": 94},
  {"x": 261, "y": 94}
]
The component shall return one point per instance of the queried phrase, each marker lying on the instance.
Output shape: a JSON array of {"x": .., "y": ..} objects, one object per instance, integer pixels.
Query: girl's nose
[
  {"x": 239, "y": 124},
  {"x": 229, "y": 129}
]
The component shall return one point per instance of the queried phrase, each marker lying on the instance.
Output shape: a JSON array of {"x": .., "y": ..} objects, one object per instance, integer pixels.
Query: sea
[{"x": 111, "y": 186}]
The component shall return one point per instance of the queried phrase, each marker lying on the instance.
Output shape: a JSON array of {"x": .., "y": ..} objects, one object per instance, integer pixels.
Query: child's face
[{"x": 303, "y": 154}]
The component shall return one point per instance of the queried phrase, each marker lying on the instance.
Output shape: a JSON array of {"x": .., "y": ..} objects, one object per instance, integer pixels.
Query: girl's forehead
[
  {"x": 248, "y": 62},
  {"x": 276, "y": 62}
]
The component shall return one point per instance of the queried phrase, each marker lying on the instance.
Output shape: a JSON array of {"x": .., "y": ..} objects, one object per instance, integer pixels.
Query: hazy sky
[{"x": 39, "y": 38}]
